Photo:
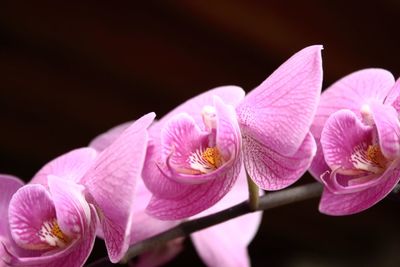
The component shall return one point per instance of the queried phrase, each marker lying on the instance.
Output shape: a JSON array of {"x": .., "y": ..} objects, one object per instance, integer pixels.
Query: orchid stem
[
  {"x": 265, "y": 202},
  {"x": 268, "y": 201},
  {"x": 254, "y": 194}
]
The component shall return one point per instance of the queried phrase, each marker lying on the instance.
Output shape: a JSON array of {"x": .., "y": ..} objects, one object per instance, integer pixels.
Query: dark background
[{"x": 72, "y": 69}]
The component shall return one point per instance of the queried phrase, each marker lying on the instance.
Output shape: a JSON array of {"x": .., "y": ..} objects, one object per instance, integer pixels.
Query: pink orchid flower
[
  {"x": 221, "y": 245},
  {"x": 358, "y": 134},
  {"x": 195, "y": 152},
  {"x": 52, "y": 221}
]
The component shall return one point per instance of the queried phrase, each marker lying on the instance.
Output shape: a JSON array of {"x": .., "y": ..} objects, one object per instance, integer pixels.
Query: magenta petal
[
  {"x": 30, "y": 207},
  {"x": 111, "y": 181},
  {"x": 71, "y": 166},
  {"x": 217, "y": 249},
  {"x": 388, "y": 126},
  {"x": 102, "y": 141},
  {"x": 271, "y": 170},
  {"x": 346, "y": 204},
  {"x": 9, "y": 185},
  {"x": 279, "y": 112},
  {"x": 196, "y": 198},
  {"x": 342, "y": 133},
  {"x": 226, "y": 244},
  {"x": 352, "y": 92}
]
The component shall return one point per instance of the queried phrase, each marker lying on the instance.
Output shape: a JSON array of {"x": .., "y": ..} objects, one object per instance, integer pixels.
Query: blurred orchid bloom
[
  {"x": 221, "y": 245},
  {"x": 358, "y": 133},
  {"x": 52, "y": 221},
  {"x": 195, "y": 152}
]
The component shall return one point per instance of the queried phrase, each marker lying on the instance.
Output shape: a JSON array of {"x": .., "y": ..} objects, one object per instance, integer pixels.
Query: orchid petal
[
  {"x": 71, "y": 166},
  {"x": 30, "y": 207},
  {"x": 352, "y": 92},
  {"x": 271, "y": 170},
  {"x": 196, "y": 197},
  {"x": 285, "y": 103},
  {"x": 342, "y": 134},
  {"x": 111, "y": 181},
  {"x": 103, "y": 140},
  {"x": 354, "y": 202},
  {"x": 388, "y": 126},
  {"x": 226, "y": 244},
  {"x": 9, "y": 185}
]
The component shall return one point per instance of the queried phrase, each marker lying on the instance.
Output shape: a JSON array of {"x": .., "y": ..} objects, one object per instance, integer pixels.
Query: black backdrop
[{"x": 72, "y": 69}]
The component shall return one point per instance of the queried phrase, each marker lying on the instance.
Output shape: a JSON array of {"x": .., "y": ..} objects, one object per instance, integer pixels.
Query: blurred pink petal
[
  {"x": 71, "y": 166},
  {"x": 226, "y": 244},
  {"x": 102, "y": 141}
]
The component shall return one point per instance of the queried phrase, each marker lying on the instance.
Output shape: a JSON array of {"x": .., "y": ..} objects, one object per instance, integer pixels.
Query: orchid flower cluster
[{"x": 144, "y": 177}]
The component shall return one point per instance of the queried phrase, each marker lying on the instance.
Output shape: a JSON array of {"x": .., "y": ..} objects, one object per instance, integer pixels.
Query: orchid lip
[{"x": 354, "y": 185}]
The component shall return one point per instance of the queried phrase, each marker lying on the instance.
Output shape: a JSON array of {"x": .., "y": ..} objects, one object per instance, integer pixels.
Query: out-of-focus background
[{"x": 72, "y": 69}]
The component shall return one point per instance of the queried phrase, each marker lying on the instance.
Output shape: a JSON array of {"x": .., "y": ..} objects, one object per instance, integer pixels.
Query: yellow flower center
[
  {"x": 375, "y": 155},
  {"x": 212, "y": 156},
  {"x": 52, "y": 234},
  {"x": 369, "y": 158},
  {"x": 205, "y": 160}
]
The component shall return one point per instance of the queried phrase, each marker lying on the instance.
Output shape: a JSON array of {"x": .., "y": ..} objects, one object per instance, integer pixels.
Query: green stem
[
  {"x": 254, "y": 194},
  {"x": 269, "y": 201}
]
